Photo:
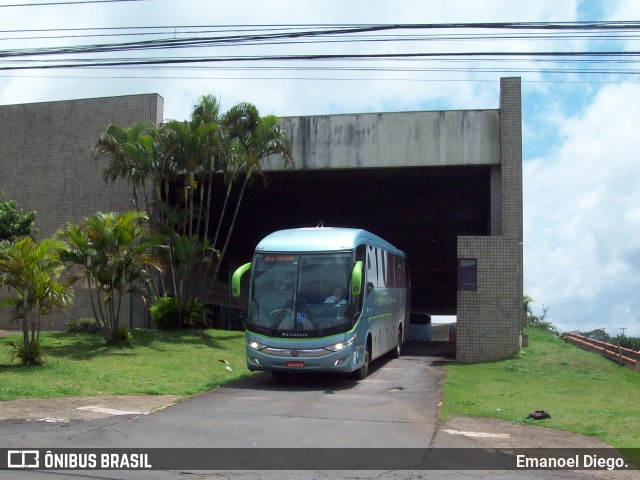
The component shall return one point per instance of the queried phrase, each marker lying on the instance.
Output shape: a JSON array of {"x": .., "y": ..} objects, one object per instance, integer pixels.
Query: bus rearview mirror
[
  {"x": 237, "y": 278},
  {"x": 356, "y": 278}
]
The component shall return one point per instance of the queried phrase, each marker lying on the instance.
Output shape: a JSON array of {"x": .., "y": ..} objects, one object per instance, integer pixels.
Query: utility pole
[{"x": 620, "y": 347}]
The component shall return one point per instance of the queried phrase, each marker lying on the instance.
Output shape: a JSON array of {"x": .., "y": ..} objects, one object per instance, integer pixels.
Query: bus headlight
[
  {"x": 255, "y": 345},
  {"x": 340, "y": 345}
]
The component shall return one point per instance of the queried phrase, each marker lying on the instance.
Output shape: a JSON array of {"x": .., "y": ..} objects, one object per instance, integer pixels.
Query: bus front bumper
[{"x": 316, "y": 360}]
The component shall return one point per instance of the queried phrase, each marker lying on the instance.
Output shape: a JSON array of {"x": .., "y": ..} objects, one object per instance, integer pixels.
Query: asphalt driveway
[{"x": 396, "y": 406}]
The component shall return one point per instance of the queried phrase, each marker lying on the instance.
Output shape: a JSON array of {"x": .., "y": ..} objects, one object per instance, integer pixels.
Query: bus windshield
[{"x": 300, "y": 295}]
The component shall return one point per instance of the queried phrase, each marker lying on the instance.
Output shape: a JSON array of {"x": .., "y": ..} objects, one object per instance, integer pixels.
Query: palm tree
[
  {"x": 207, "y": 110},
  {"x": 191, "y": 146},
  {"x": 113, "y": 253},
  {"x": 252, "y": 139},
  {"x": 34, "y": 270},
  {"x": 192, "y": 152},
  {"x": 237, "y": 124},
  {"x": 131, "y": 154}
]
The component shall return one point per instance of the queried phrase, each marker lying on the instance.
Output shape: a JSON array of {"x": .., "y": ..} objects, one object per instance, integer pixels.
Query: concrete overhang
[{"x": 393, "y": 140}]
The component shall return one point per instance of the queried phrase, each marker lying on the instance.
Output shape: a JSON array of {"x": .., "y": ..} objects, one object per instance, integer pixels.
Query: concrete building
[
  {"x": 46, "y": 166},
  {"x": 444, "y": 186}
]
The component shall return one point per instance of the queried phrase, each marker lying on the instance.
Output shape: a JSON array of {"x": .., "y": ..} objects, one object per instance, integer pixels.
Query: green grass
[
  {"x": 153, "y": 363},
  {"x": 583, "y": 392}
]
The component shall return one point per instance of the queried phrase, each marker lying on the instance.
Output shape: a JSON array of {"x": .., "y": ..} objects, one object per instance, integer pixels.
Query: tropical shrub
[
  {"x": 114, "y": 254},
  {"x": 167, "y": 314},
  {"x": 33, "y": 271},
  {"x": 82, "y": 325},
  {"x": 29, "y": 354}
]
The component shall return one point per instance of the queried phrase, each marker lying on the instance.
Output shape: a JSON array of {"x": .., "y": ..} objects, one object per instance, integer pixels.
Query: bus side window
[{"x": 372, "y": 269}]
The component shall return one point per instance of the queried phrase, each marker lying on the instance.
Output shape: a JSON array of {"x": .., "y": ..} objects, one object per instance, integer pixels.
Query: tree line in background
[
  {"x": 540, "y": 321},
  {"x": 632, "y": 343},
  {"x": 152, "y": 251}
]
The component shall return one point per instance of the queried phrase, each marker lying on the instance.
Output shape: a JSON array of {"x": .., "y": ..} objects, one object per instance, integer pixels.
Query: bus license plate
[{"x": 295, "y": 364}]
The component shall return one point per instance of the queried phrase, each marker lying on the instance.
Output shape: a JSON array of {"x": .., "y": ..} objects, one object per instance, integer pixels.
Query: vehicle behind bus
[{"x": 324, "y": 300}]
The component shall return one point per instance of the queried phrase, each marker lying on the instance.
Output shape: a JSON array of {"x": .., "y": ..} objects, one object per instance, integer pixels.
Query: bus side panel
[
  {"x": 381, "y": 310},
  {"x": 385, "y": 298}
]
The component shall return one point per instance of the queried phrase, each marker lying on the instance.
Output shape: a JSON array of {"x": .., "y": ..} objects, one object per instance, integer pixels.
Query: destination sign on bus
[{"x": 279, "y": 258}]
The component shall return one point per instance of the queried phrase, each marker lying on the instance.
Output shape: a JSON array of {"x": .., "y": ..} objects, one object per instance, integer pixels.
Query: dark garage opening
[{"x": 420, "y": 210}]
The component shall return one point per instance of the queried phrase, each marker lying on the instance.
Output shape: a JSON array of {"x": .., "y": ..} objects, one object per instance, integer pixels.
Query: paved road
[{"x": 395, "y": 406}]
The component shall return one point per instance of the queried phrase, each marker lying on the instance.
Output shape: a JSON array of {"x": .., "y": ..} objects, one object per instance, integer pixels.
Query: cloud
[
  {"x": 290, "y": 94},
  {"x": 582, "y": 215}
]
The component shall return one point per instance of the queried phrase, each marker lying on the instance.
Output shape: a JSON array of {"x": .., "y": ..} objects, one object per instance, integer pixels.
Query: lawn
[
  {"x": 583, "y": 392},
  {"x": 154, "y": 362}
]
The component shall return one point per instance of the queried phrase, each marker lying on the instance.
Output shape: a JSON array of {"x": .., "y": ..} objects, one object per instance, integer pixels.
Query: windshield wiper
[
  {"x": 281, "y": 315},
  {"x": 313, "y": 320}
]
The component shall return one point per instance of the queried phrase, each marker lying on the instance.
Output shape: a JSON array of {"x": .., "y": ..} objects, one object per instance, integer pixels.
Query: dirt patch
[
  {"x": 60, "y": 410},
  {"x": 503, "y": 435}
]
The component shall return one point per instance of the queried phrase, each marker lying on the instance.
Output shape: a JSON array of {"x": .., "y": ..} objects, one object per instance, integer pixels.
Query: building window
[{"x": 467, "y": 274}]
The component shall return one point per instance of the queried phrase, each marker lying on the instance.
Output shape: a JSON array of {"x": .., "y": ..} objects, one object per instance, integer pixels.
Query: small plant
[
  {"x": 33, "y": 272},
  {"x": 82, "y": 325},
  {"x": 165, "y": 312},
  {"x": 32, "y": 355},
  {"x": 538, "y": 321},
  {"x": 122, "y": 335}
]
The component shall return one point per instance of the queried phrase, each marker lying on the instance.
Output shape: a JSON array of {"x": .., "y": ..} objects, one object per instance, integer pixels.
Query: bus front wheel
[{"x": 361, "y": 373}]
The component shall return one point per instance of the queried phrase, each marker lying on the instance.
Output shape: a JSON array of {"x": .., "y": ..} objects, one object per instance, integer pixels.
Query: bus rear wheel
[{"x": 395, "y": 353}]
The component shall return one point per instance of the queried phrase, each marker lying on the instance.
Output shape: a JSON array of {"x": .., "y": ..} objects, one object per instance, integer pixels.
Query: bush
[
  {"x": 165, "y": 312},
  {"x": 540, "y": 322},
  {"x": 32, "y": 356},
  {"x": 122, "y": 335},
  {"x": 82, "y": 325}
]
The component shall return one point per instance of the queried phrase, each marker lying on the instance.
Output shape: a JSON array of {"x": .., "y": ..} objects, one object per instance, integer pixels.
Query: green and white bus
[{"x": 324, "y": 300}]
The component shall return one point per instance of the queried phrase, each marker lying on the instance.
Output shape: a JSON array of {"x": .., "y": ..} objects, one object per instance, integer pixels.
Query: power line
[
  {"x": 66, "y": 3},
  {"x": 583, "y": 25},
  {"x": 317, "y": 57},
  {"x": 588, "y": 30},
  {"x": 593, "y": 62},
  {"x": 325, "y": 78}
]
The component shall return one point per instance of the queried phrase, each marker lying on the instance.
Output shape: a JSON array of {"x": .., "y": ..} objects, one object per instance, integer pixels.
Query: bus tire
[
  {"x": 362, "y": 372},
  {"x": 395, "y": 353}
]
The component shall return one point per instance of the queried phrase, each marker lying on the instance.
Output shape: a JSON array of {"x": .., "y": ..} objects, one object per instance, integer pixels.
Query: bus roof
[{"x": 322, "y": 239}]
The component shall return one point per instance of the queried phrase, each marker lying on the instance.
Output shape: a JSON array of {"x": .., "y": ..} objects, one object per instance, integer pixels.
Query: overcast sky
[{"x": 581, "y": 144}]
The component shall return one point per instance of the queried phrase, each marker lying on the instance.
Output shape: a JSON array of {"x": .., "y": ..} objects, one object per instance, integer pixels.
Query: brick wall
[
  {"x": 46, "y": 166},
  {"x": 490, "y": 317}
]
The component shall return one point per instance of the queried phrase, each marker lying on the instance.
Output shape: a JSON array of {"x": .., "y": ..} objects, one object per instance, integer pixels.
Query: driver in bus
[{"x": 337, "y": 297}]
